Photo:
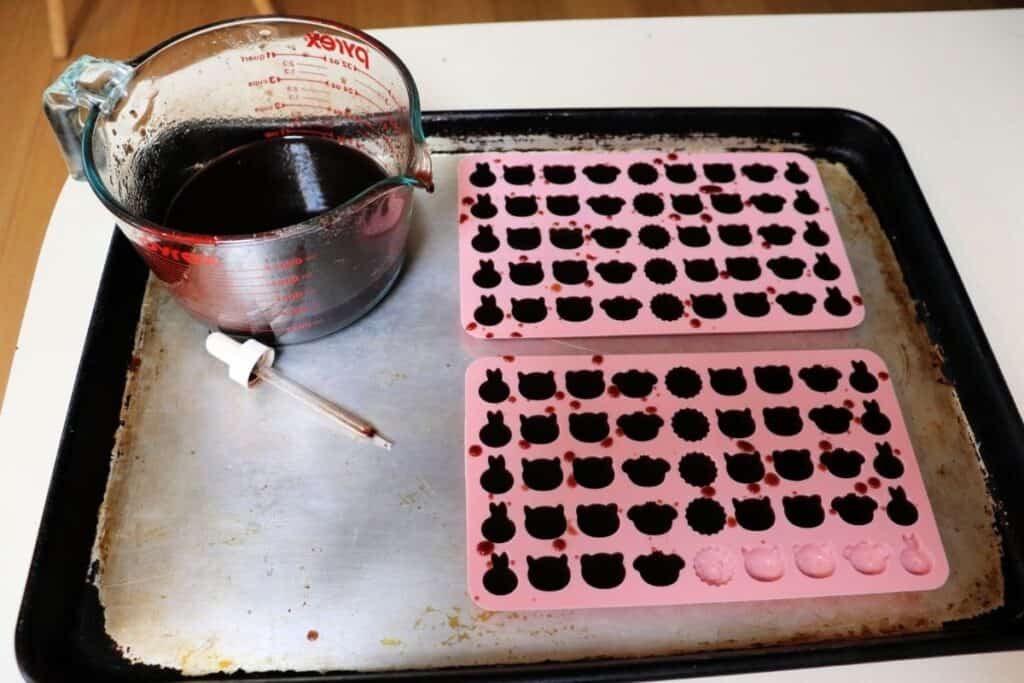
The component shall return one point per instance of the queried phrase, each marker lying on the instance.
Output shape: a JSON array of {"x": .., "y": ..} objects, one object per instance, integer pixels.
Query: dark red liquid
[{"x": 270, "y": 184}]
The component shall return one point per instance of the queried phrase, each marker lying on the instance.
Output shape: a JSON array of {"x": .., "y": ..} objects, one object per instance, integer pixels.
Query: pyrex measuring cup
[{"x": 139, "y": 131}]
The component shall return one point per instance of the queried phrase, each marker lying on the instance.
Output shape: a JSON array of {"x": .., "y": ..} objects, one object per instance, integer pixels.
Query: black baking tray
[{"x": 60, "y": 633}]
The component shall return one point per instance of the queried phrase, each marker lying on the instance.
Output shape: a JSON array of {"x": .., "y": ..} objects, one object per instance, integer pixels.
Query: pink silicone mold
[
  {"x": 578, "y": 244},
  {"x": 672, "y": 478}
]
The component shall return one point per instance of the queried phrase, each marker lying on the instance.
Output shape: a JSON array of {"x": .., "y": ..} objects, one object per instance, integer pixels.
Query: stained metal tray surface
[{"x": 196, "y": 529}]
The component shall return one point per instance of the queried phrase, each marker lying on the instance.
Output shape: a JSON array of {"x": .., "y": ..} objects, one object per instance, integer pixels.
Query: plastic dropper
[{"x": 250, "y": 362}]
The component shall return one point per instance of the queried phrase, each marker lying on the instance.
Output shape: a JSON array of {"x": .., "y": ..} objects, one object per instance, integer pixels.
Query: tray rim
[{"x": 110, "y": 341}]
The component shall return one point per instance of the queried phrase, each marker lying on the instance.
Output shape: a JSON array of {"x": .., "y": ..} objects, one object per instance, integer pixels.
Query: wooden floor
[{"x": 32, "y": 172}]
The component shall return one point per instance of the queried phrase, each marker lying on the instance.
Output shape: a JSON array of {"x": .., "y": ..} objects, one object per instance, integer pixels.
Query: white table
[{"x": 947, "y": 84}]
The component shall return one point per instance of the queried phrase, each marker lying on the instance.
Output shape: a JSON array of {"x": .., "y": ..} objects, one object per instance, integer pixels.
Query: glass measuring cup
[{"x": 140, "y": 131}]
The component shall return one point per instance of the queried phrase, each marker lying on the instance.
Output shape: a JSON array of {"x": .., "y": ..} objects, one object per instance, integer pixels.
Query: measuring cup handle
[{"x": 88, "y": 86}]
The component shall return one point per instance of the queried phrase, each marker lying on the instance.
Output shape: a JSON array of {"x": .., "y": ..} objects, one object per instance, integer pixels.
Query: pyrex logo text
[{"x": 332, "y": 44}]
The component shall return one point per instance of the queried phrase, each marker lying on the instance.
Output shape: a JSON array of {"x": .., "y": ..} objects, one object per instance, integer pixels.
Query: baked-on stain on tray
[
  {"x": 689, "y": 478},
  {"x": 576, "y": 244}
]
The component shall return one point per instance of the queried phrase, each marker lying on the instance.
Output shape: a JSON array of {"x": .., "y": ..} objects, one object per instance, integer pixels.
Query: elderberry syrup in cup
[{"x": 263, "y": 168}]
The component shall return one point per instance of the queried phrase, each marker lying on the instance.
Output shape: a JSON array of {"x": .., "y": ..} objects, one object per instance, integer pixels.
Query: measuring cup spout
[{"x": 421, "y": 170}]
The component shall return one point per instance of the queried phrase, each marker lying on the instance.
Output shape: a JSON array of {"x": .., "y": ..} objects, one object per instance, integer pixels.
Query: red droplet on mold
[
  {"x": 508, "y": 359},
  {"x": 613, "y": 391},
  {"x": 549, "y": 409},
  {"x": 753, "y": 488},
  {"x": 471, "y": 326},
  {"x": 475, "y": 450},
  {"x": 883, "y": 375},
  {"x": 559, "y": 395},
  {"x": 590, "y": 257},
  {"x": 825, "y": 445},
  {"x": 672, "y": 156},
  {"x": 463, "y": 217},
  {"x": 569, "y": 456},
  {"x": 587, "y": 238},
  {"x": 489, "y": 335},
  {"x": 770, "y": 290},
  {"x": 768, "y": 458},
  {"x": 896, "y": 451},
  {"x": 524, "y": 257},
  {"x": 694, "y": 323},
  {"x": 619, "y": 432},
  {"x": 556, "y": 287},
  {"x": 607, "y": 443},
  {"x": 485, "y": 547},
  {"x": 707, "y": 491},
  {"x": 710, "y": 189},
  {"x": 588, "y": 283},
  {"x": 745, "y": 446},
  {"x": 651, "y": 409},
  {"x": 572, "y": 223},
  {"x": 857, "y": 300},
  {"x": 575, "y": 405},
  {"x": 723, "y": 274},
  {"x": 490, "y": 496},
  {"x": 848, "y": 403},
  {"x": 675, "y": 217},
  {"x": 571, "y": 482},
  {"x": 873, "y": 482},
  {"x": 822, "y": 466},
  {"x": 857, "y": 420},
  {"x": 831, "y": 511},
  {"x": 765, "y": 245},
  {"x": 597, "y": 359},
  {"x": 706, "y": 217},
  {"x": 658, "y": 160},
  {"x": 558, "y": 544},
  {"x": 524, "y": 444},
  {"x": 467, "y": 201},
  {"x": 771, "y": 479},
  {"x": 860, "y": 487},
  {"x": 516, "y": 334},
  {"x": 572, "y": 530},
  {"x": 524, "y": 487},
  {"x": 731, "y": 522},
  {"x": 511, "y": 399}
]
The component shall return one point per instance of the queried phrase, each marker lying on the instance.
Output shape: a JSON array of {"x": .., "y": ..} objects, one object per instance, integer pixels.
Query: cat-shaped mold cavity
[
  {"x": 548, "y": 573},
  {"x": 542, "y": 474},
  {"x": 537, "y": 386}
]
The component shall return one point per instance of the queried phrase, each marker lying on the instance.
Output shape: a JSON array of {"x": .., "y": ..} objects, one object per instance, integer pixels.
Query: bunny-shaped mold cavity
[
  {"x": 635, "y": 383},
  {"x": 873, "y": 420},
  {"x": 786, "y": 268},
  {"x": 824, "y": 268},
  {"x": 815, "y": 560},
  {"x": 652, "y": 518},
  {"x": 744, "y": 268},
  {"x": 843, "y": 463},
  {"x": 648, "y": 204},
  {"x": 728, "y": 381},
  {"x": 727, "y": 202},
  {"x": 667, "y": 307},
  {"x": 885, "y": 463},
  {"x": 538, "y": 429},
  {"x": 900, "y": 510},
  {"x": 867, "y": 557},
  {"x": 779, "y": 235},
  {"x": 499, "y": 579},
  {"x": 519, "y": 175},
  {"x": 526, "y": 273},
  {"x": 642, "y": 173},
  {"x": 680, "y": 173},
  {"x": 496, "y": 478},
  {"x": 488, "y": 313},
  {"x": 759, "y": 173},
  {"x": 705, "y": 516},
  {"x": 773, "y": 379},
  {"x": 574, "y": 309},
  {"x": 836, "y": 303},
  {"x": 659, "y": 569},
  {"x": 529, "y": 310},
  {"x": 698, "y": 469},
  {"x": 584, "y": 383},
  {"x": 695, "y": 236},
  {"x": 795, "y": 174},
  {"x": 563, "y": 204},
  {"x": 660, "y": 271},
  {"x": 708, "y": 306},
  {"x": 719, "y": 173},
  {"x": 605, "y": 205},
  {"x": 714, "y": 565},
  {"x": 735, "y": 234},
  {"x": 831, "y": 419},
  {"x": 805, "y": 512},
  {"x": 615, "y": 272},
  {"x": 483, "y": 207},
  {"x": 486, "y": 277},
  {"x": 523, "y": 239},
  {"x": 495, "y": 433},
  {"x": 566, "y": 238},
  {"x": 484, "y": 240},
  {"x": 589, "y": 427},
  {"x": 610, "y": 237},
  {"x": 520, "y": 207},
  {"x": 690, "y": 424},
  {"x": 594, "y": 472},
  {"x": 804, "y": 204},
  {"x": 645, "y": 470},
  {"x": 854, "y": 509},
  {"x": 537, "y": 386},
  {"x": 793, "y": 464},
  {"x": 764, "y": 563},
  {"x": 493, "y": 389},
  {"x": 796, "y": 303},
  {"x": 548, "y": 573},
  {"x": 482, "y": 176},
  {"x": 754, "y": 514},
  {"x": 545, "y": 522},
  {"x": 570, "y": 272},
  {"x": 735, "y": 423},
  {"x": 542, "y": 474},
  {"x": 746, "y": 468},
  {"x": 640, "y": 425},
  {"x": 820, "y": 378},
  {"x": 814, "y": 235},
  {"x": 701, "y": 269},
  {"x": 598, "y": 520},
  {"x": 913, "y": 557},
  {"x": 498, "y": 528},
  {"x": 654, "y": 237},
  {"x": 601, "y": 174},
  {"x": 862, "y": 380},
  {"x": 621, "y": 308},
  {"x": 683, "y": 382},
  {"x": 559, "y": 175},
  {"x": 688, "y": 204},
  {"x": 752, "y": 304},
  {"x": 602, "y": 570},
  {"x": 768, "y": 203}
]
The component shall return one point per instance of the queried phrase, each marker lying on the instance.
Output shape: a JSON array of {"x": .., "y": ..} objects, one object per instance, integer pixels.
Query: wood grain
[{"x": 32, "y": 171}]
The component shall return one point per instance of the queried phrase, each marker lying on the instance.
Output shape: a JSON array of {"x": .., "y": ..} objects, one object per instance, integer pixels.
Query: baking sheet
[{"x": 239, "y": 532}]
